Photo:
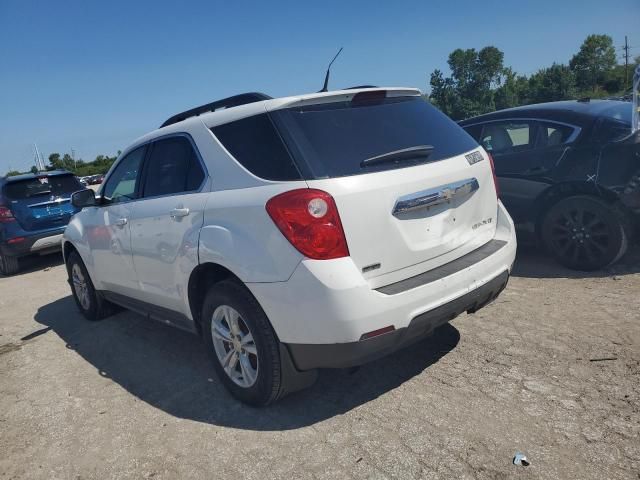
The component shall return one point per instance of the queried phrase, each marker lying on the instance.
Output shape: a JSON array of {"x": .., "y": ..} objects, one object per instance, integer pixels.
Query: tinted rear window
[
  {"x": 255, "y": 143},
  {"x": 331, "y": 140},
  {"x": 58, "y": 185}
]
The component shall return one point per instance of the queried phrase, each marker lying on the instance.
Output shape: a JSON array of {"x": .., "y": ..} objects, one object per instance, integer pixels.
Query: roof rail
[{"x": 234, "y": 101}]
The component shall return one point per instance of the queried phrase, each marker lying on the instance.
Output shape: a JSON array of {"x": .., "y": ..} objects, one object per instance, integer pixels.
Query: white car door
[
  {"x": 166, "y": 223},
  {"x": 107, "y": 227}
]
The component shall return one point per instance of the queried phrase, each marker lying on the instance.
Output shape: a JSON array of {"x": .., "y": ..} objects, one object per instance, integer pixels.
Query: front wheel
[
  {"x": 242, "y": 346},
  {"x": 88, "y": 300},
  {"x": 584, "y": 233}
]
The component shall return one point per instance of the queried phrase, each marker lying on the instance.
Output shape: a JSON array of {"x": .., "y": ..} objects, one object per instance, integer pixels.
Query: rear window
[
  {"x": 57, "y": 185},
  {"x": 332, "y": 140}
]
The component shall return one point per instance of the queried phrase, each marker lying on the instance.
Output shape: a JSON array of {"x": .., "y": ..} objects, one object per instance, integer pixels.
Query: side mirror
[{"x": 84, "y": 198}]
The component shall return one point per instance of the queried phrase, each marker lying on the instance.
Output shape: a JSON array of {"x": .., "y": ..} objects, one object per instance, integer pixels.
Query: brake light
[
  {"x": 493, "y": 172},
  {"x": 16, "y": 240},
  {"x": 5, "y": 215},
  {"x": 310, "y": 221}
]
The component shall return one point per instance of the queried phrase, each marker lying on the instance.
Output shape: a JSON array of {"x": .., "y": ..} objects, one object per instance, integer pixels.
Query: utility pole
[
  {"x": 73, "y": 157},
  {"x": 626, "y": 63}
]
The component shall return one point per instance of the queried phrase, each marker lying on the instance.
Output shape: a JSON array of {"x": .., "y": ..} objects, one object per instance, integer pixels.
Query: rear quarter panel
[{"x": 239, "y": 234}]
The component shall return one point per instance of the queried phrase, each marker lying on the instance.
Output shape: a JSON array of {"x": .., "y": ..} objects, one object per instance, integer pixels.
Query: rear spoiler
[{"x": 337, "y": 96}]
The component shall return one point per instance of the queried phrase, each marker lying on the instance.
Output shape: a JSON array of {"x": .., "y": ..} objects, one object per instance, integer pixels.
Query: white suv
[{"x": 315, "y": 231}]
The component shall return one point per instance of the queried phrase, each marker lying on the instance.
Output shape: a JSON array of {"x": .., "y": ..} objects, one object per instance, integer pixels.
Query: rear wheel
[
  {"x": 8, "y": 265},
  {"x": 242, "y": 346},
  {"x": 88, "y": 300},
  {"x": 584, "y": 233}
]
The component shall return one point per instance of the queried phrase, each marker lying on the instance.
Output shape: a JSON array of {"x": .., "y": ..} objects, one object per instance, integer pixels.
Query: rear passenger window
[
  {"x": 256, "y": 145},
  {"x": 508, "y": 137},
  {"x": 173, "y": 168},
  {"x": 552, "y": 134}
]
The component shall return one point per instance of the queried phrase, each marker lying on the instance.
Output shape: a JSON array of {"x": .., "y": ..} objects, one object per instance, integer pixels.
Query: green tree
[
  {"x": 469, "y": 90},
  {"x": 34, "y": 170},
  {"x": 552, "y": 84},
  {"x": 13, "y": 173},
  {"x": 68, "y": 163},
  {"x": 55, "y": 161},
  {"x": 443, "y": 93},
  {"x": 514, "y": 90},
  {"x": 596, "y": 57}
]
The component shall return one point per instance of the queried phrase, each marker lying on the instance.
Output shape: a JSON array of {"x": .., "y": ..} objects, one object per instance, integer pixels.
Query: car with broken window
[{"x": 569, "y": 175}]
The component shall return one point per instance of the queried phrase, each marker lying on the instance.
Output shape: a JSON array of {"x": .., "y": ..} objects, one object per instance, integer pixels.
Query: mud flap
[{"x": 292, "y": 379}]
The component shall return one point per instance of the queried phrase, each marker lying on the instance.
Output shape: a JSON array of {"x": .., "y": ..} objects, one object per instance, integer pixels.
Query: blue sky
[{"x": 93, "y": 75}]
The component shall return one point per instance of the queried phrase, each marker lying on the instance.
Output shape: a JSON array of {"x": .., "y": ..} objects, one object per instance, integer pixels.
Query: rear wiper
[{"x": 405, "y": 154}]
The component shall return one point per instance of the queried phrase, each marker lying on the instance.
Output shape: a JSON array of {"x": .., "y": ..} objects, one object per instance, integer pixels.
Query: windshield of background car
[
  {"x": 332, "y": 139},
  {"x": 56, "y": 185}
]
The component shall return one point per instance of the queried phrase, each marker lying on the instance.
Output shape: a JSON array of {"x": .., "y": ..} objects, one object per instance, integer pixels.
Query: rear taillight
[
  {"x": 309, "y": 219},
  {"x": 5, "y": 215},
  {"x": 493, "y": 172}
]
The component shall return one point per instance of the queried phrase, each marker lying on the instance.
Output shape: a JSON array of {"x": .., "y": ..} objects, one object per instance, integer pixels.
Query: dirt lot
[{"x": 551, "y": 369}]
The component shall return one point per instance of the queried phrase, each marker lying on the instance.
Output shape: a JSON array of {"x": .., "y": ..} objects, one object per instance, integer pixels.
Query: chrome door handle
[
  {"x": 179, "y": 212},
  {"x": 121, "y": 222}
]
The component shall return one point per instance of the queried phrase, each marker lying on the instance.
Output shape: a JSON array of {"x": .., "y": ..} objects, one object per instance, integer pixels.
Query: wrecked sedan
[{"x": 569, "y": 175}]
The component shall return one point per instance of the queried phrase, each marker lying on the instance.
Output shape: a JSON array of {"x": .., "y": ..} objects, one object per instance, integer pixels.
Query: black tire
[
  {"x": 267, "y": 385},
  {"x": 585, "y": 233},
  {"x": 95, "y": 307},
  {"x": 8, "y": 265}
]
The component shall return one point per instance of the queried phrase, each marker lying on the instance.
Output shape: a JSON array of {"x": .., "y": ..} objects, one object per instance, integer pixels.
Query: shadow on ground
[
  {"x": 38, "y": 262},
  {"x": 169, "y": 369},
  {"x": 532, "y": 262}
]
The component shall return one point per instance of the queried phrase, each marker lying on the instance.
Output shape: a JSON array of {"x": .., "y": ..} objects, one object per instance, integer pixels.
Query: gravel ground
[{"x": 552, "y": 369}]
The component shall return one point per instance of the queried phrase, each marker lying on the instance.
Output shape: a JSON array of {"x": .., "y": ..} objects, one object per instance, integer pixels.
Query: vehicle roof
[
  {"x": 230, "y": 114},
  {"x": 575, "y": 111},
  {"x": 29, "y": 176}
]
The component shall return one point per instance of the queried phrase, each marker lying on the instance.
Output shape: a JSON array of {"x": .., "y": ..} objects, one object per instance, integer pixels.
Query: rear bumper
[
  {"x": 328, "y": 303},
  {"x": 40, "y": 242},
  {"x": 344, "y": 355}
]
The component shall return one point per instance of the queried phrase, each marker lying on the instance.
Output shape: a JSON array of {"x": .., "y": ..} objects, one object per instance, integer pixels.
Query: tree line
[
  {"x": 79, "y": 167},
  {"x": 480, "y": 82}
]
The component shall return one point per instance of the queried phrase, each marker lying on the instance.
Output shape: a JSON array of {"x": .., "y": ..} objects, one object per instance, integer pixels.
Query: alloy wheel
[
  {"x": 80, "y": 286},
  {"x": 234, "y": 346},
  {"x": 580, "y": 234}
]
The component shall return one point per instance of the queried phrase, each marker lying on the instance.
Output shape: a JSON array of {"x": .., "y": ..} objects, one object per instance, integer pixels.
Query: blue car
[{"x": 34, "y": 211}]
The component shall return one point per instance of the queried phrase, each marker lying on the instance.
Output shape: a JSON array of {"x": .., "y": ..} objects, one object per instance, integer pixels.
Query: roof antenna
[{"x": 326, "y": 78}]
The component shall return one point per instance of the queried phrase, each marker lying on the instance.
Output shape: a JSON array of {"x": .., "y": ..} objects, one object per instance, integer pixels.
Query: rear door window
[
  {"x": 508, "y": 137},
  {"x": 173, "y": 167},
  {"x": 553, "y": 134},
  {"x": 333, "y": 139},
  {"x": 55, "y": 185}
]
